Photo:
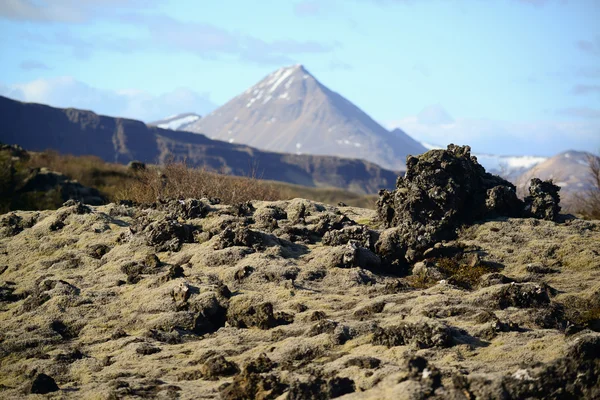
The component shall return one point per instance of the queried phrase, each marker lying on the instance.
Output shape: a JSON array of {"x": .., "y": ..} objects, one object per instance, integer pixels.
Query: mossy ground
[{"x": 109, "y": 321}]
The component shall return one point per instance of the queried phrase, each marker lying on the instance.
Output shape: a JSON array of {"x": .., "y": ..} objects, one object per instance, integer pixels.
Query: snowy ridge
[{"x": 176, "y": 122}]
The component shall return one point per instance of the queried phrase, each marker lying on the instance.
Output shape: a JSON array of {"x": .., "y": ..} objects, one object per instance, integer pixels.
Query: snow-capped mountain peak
[{"x": 290, "y": 111}]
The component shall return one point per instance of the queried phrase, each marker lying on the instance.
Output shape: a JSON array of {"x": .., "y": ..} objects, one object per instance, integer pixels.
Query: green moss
[
  {"x": 583, "y": 311},
  {"x": 461, "y": 274}
]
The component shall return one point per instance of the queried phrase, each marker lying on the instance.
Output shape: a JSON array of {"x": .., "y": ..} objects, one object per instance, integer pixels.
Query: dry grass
[
  {"x": 90, "y": 171},
  {"x": 588, "y": 204},
  {"x": 173, "y": 180},
  {"x": 176, "y": 180}
]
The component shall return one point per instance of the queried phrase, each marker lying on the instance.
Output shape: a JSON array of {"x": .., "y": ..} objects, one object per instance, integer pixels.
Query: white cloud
[
  {"x": 130, "y": 103},
  {"x": 67, "y": 11},
  {"x": 543, "y": 138}
]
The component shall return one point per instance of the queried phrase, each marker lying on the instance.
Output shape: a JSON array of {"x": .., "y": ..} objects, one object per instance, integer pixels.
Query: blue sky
[{"x": 506, "y": 76}]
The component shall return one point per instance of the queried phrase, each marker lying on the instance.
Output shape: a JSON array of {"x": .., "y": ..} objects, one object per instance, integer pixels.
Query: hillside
[
  {"x": 38, "y": 127},
  {"x": 291, "y": 111},
  {"x": 569, "y": 170}
]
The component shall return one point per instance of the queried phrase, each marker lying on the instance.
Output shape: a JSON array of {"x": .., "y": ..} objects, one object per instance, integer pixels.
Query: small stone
[{"x": 43, "y": 384}]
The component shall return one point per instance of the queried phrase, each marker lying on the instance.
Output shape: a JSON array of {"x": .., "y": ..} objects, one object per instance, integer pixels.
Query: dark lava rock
[
  {"x": 369, "y": 310},
  {"x": 238, "y": 236},
  {"x": 244, "y": 209},
  {"x": 168, "y": 234},
  {"x": 11, "y": 224},
  {"x": 243, "y": 273},
  {"x": 75, "y": 207},
  {"x": 268, "y": 216},
  {"x": 146, "y": 349},
  {"x": 43, "y": 384},
  {"x": 352, "y": 255},
  {"x": 218, "y": 366},
  {"x": 574, "y": 376},
  {"x": 421, "y": 335},
  {"x": 543, "y": 200},
  {"x": 260, "y": 316},
  {"x": 7, "y": 293},
  {"x": 522, "y": 295},
  {"x": 211, "y": 315},
  {"x": 260, "y": 365},
  {"x": 323, "y": 326},
  {"x": 328, "y": 221},
  {"x": 186, "y": 209},
  {"x": 364, "y": 362},
  {"x": 69, "y": 357},
  {"x": 359, "y": 233},
  {"x": 66, "y": 330},
  {"x": 495, "y": 278},
  {"x": 317, "y": 388},
  {"x": 253, "y": 386},
  {"x": 420, "y": 370},
  {"x": 441, "y": 191},
  {"x": 135, "y": 269},
  {"x": 97, "y": 251}
]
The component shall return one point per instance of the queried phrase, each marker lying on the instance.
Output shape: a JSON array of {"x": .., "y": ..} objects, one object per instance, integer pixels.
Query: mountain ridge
[{"x": 39, "y": 127}]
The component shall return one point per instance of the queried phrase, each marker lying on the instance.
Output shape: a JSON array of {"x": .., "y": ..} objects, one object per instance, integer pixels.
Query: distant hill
[
  {"x": 509, "y": 167},
  {"x": 569, "y": 170},
  {"x": 39, "y": 127},
  {"x": 176, "y": 122},
  {"x": 291, "y": 111}
]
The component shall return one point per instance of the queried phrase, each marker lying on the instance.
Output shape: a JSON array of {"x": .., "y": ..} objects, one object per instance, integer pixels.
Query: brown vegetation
[
  {"x": 176, "y": 180},
  {"x": 90, "y": 171},
  {"x": 588, "y": 203},
  {"x": 145, "y": 185}
]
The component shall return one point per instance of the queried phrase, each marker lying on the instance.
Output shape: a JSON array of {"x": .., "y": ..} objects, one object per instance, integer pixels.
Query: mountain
[
  {"x": 176, "y": 122},
  {"x": 569, "y": 170},
  {"x": 291, "y": 111},
  {"x": 39, "y": 127}
]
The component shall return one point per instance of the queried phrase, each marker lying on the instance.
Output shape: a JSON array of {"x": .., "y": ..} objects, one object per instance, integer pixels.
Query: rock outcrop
[{"x": 444, "y": 190}]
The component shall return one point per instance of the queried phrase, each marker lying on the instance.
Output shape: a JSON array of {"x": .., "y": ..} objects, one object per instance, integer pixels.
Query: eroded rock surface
[
  {"x": 444, "y": 190},
  {"x": 296, "y": 299}
]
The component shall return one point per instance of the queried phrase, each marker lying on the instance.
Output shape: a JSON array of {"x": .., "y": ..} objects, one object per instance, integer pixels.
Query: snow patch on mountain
[
  {"x": 509, "y": 167},
  {"x": 176, "y": 122}
]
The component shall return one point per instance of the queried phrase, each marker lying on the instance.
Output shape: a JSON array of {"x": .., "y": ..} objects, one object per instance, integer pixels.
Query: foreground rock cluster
[{"x": 300, "y": 300}]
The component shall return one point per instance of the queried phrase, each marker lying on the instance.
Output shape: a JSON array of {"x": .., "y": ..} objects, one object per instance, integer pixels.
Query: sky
[{"x": 505, "y": 76}]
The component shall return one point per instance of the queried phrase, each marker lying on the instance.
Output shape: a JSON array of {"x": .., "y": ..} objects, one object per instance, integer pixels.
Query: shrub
[
  {"x": 176, "y": 180},
  {"x": 588, "y": 203}
]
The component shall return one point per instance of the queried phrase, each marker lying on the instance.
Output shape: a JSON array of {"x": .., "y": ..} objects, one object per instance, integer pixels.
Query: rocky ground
[{"x": 192, "y": 299}]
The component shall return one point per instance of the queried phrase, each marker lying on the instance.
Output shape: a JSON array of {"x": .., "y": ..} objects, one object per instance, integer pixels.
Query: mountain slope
[
  {"x": 176, "y": 122},
  {"x": 569, "y": 170},
  {"x": 39, "y": 127},
  {"x": 290, "y": 111}
]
